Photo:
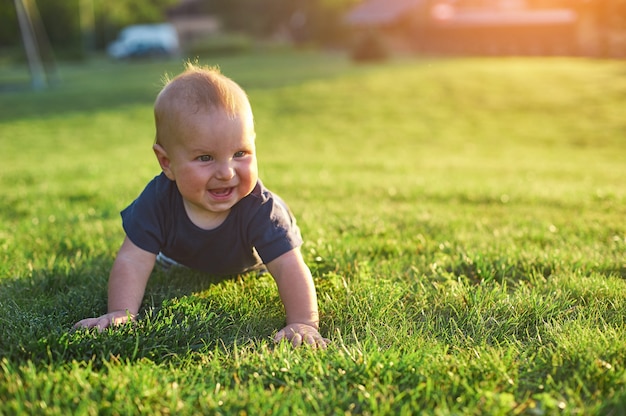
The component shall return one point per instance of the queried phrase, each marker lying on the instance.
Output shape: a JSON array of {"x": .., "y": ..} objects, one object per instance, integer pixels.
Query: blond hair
[{"x": 198, "y": 88}]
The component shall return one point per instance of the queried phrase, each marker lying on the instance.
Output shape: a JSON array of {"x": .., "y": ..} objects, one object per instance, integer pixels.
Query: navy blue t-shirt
[{"x": 258, "y": 229}]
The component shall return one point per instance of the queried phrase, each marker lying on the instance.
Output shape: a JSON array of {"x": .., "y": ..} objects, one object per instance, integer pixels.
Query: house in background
[
  {"x": 191, "y": 21},
  {"x": 483, "y": 27}
]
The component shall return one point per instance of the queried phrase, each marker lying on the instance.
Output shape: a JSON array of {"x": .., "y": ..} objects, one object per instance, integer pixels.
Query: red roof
[{"x": 470, "y": 18}]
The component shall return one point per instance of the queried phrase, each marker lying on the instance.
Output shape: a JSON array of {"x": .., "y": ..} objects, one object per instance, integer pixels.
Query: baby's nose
[{"x": 225, "y": 171}]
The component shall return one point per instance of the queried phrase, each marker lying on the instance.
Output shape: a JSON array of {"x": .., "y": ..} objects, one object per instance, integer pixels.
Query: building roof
[
  {"x": 475, "y": 18},
  {"x": 380, "y": 12}
]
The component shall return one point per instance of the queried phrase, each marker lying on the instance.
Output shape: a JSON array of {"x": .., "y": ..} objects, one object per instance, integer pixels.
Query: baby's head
[
  {"x": 205, "y": 142},
  {"x": 198, "y": 90}
]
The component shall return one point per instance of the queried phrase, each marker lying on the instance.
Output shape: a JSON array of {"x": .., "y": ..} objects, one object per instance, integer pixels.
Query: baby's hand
[
  {"x": 110, "y": 319},
  {"x": 302, "y": 333}
]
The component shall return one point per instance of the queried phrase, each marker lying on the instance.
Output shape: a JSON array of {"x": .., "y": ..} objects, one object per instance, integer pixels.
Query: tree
[
  {"x": 9, "y": 30},
  {"x": 61, "y": 19}
]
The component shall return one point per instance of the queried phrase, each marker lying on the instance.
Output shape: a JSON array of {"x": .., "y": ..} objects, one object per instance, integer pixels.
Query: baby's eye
[
  {"x": 205, "y": 158},
  {"x": 240, "y": 153}
]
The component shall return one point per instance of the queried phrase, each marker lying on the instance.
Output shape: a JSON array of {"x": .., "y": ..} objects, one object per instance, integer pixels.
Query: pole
[{"x": 37, "y": 73}]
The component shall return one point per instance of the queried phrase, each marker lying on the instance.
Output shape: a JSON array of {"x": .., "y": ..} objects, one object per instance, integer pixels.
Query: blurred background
[
  {"x": 370, "y": 29},
  {"x": 41, "y": 33}
]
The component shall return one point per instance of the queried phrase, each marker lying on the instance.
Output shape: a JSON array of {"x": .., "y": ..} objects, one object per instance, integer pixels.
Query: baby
[{"x": 208, "y": 210}]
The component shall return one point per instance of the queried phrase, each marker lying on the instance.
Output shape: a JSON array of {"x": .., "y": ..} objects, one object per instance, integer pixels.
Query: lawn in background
[{"x": 463, "y": 218}]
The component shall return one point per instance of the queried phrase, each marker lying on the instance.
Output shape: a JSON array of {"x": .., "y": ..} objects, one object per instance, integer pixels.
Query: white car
[{"x": 144, "y": 41}]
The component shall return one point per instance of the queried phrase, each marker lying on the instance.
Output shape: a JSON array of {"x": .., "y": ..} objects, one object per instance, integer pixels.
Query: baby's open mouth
[{"x": 221, "y": 192}]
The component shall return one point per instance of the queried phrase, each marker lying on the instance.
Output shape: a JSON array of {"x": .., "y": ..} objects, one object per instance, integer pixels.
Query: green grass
[{"x": 464, "y": 222}]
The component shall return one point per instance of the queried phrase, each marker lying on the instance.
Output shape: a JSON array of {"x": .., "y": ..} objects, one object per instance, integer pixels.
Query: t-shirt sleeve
[
  {"x": 140, "y": 219},
  {"x": 274, "y": 230}
]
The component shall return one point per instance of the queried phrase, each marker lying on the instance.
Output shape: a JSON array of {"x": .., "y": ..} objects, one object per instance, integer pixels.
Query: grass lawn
[{"x": 464, "y": 222}]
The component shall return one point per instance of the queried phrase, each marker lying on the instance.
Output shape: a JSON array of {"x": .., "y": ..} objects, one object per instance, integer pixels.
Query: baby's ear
[{"x": 163, "y": 159}]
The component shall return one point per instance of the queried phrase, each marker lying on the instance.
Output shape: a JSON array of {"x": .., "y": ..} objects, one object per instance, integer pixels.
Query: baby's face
[{"x": 212, "y": 158}]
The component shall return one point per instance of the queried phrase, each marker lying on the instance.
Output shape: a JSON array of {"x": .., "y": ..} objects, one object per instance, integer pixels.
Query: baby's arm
[
  {"x": 297, "y": 291},
  {"x": 127, "y": 283}
]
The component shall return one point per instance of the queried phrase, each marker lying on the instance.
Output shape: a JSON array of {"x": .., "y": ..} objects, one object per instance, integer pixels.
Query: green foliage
[
  {"x": 9, "y": 31},
  {"x": 123, "y": 13},
  {"x": 463, "y": 222},
  {"x": 61, "y": 20}
]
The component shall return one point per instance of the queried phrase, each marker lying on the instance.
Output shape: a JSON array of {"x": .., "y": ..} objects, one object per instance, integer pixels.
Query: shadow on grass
[
  {"x": 616, "y": 270},
  {"x": 177, "y": 319},
  {"x": 501, "y": 270}
]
